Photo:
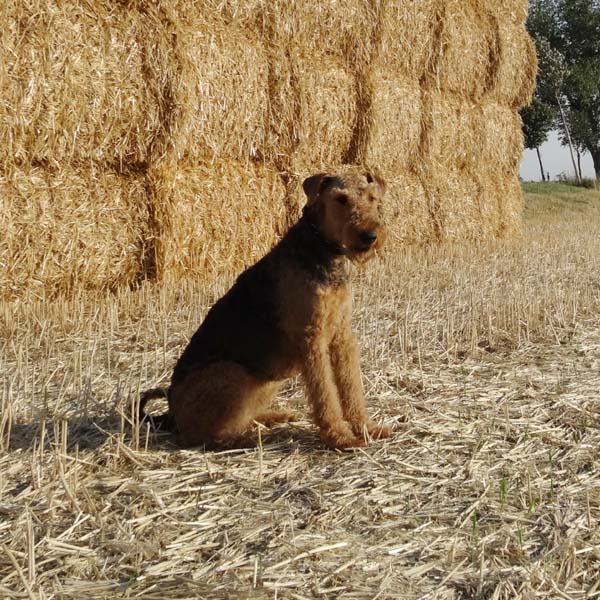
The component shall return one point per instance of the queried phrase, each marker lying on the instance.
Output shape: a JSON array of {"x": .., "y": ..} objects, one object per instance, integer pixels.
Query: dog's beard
[
  {"x": 360, "y": 256},
  {"x": 359, "y": 253}
]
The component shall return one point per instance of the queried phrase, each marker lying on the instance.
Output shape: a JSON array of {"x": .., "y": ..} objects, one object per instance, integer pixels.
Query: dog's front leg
[
  {"x": 323, "y": 397},
  {"x": 345, "y": 359}
]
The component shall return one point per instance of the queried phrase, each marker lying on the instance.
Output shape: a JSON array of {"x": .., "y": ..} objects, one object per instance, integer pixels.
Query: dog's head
[{"x": 346, "y": 208}]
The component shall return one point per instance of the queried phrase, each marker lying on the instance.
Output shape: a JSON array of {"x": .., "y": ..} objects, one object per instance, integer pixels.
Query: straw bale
[
  {"x": 214, "y": 110},
  {"x": 215, "y": 218},
  {"x": 512, "y": 207},
  {"x": 478, "y": 204},
  {"x": 456, "y": 201},
  {"x": 71, "y": 229},
  {"x": 453, "y": 205},
  {"x": 491, "y": 205},
  {"x": 410, "y": 41},
  {"x": 72, "y": 84},
  {"x": 307, "y": 46},
  {"x": 514, "y": 79},
  {"x": 221, "y": 93},
  {"x": 393, "y": 143},
  {"x": 324, "y": 95},
  {"x": 128, "y": 84},
  {"x": 409, "y": 212},
  {"x": 468, "y": 41},
  {"x": 318, "y": 55},
  {"x": 513, "y": 10},
  {"x": 502, "y": 195},
  {"x": 501, "y": 137},
  {"x": 305, "y": 126},
  {"x": 451, "y": 132},
  {"x": 283, "y": 110},
  {"x": 324, "y": 26}
]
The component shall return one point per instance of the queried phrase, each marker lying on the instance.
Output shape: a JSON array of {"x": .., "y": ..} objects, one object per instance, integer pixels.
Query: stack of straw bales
[{"x": 153, "y": 139}]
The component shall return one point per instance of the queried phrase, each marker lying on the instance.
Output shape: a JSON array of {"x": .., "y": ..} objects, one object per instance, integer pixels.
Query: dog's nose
[{"x": 368, "y": 237}]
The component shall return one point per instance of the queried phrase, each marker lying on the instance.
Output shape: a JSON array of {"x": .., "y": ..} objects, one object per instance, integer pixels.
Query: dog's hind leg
[
  {"x": 268, "y": 418},
  {"x": 218, "y": 404},
  {"x": 159, "y": 422}
]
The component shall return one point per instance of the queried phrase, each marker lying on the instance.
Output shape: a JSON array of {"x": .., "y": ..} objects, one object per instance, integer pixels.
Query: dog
[{"x": 288, "y": 314}]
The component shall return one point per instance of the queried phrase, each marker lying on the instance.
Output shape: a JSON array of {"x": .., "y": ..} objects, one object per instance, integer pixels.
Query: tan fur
[{"x": 289, "y": 313}]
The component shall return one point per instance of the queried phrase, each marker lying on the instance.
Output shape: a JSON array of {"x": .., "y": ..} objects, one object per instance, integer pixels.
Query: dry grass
[{"x": 484, "y": 358}]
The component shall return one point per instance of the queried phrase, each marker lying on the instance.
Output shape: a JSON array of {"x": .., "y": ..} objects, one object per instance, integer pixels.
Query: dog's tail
[{"x": 162, "y": 422}]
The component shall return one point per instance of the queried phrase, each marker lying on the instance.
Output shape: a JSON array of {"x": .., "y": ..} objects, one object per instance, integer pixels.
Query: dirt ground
[{"x": 484, "y": 358}]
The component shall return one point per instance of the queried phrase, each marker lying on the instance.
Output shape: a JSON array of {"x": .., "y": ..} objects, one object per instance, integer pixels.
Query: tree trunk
[
  {"x": 579, "y": 164},
  {"x": 596, "y": 159},
  {"x": 541, "y": 165},
  {"x": 564, "y": 122}
]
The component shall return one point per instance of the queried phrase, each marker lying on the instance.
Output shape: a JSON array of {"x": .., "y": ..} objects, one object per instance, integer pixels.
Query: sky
[{"x": 556, "y": 160}]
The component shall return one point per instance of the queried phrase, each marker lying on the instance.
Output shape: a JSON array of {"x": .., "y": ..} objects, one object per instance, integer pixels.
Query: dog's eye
[{"x": 342, "y": 199}]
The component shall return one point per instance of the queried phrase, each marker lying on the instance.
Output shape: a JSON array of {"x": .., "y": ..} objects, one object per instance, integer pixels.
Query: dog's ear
[
  {"x": 377, "y": 179},
  {"x": 315, "y": 184}
]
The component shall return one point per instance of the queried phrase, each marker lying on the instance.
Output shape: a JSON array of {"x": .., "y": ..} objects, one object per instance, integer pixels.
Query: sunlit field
[{"x": 485, "y": 360}]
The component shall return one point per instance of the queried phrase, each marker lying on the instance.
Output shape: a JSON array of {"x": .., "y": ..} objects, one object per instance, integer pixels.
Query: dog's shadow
[
  {"x": 77, "y": 434},
  {"x": 66, "y": 434}
]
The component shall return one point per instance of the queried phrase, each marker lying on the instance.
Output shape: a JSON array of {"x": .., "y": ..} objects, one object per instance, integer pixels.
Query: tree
[
  {"x": 571, "y": 28},
  {"x": 538, "y": 121},
  {"x": 540, "y": 117},
  {"x": 583, "y": 94}
]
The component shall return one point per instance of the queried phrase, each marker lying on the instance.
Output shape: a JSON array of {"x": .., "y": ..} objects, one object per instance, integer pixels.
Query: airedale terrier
[{"x": 287, "y": 314}]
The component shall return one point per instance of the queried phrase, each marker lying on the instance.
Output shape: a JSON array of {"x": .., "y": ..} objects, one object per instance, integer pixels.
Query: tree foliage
[
  {"x": 539, "y": 117},
  {"x": 538, "y": 121},
  {"x": 567, "y": 36}
]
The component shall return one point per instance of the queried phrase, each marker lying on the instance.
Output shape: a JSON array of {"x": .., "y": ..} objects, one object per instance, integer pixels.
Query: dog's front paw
[
  {"x": 375, "y": 431},
  {"x": 379, "y": 432},
  {"x": 342, "y": 438}
]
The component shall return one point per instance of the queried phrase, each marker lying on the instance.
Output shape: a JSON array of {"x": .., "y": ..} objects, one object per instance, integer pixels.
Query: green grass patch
[
  {"x": 549, "y": 189},
  {"x": 557, "y": 200}
]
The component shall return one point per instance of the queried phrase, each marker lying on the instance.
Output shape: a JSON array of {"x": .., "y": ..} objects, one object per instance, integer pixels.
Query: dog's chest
[
  {"x": 332, "y": 309},
  {"x": 315, "y": 310}
]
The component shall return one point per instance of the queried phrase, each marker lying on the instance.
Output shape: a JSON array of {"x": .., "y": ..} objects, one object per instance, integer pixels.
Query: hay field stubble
[{"x": 484, "y": 358}]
